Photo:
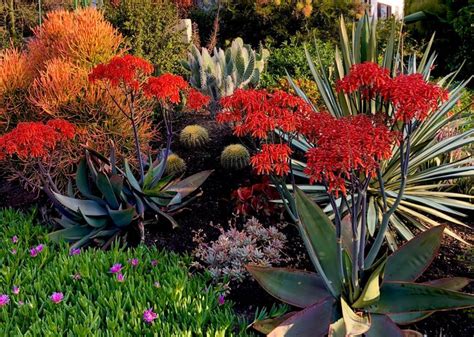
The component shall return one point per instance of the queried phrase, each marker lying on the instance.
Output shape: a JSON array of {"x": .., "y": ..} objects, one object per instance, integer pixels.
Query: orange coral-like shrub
[
  {"x": 15, "y": 77},
  {"x": 83, "y": 36},
  {"x": 15, "y": 72},
  {"x": 50, "y": 80}
]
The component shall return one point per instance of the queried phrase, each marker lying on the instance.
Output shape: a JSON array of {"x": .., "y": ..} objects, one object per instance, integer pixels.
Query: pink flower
[
  {"x": 120, "y": 277},
  {"x": 15, "y": 290},
  {"x": 149, "y": 316},
  {"x": 15, "y": 239},
  {"x": 13, "y": 251},
  {"x": 116, "y": 268},
  {"x": 20, "y": 303},
  {"x": 75, "y": 251},
  {"x": 76, "y": 276},
  {"x": 36, "y": 250},
  {"x": 134, "y": 262},
  {"x": 4, "y": 300},
  {"x": 56, "y": 297},
  {"x": 221, "y": 299},
  {"x": 154, "y": 263}
]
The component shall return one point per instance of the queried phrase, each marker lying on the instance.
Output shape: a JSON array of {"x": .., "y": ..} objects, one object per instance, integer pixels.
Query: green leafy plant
[
  {"x": 239, "y": 66},
  {"x": 194, "y": 136},
  {"x": 235, "y": 156},
  {"x": 150, "y": 29},
  {"x": 97, "y": 302}
]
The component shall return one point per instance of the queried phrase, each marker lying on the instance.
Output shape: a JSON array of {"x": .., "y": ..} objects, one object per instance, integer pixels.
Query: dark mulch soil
[{"x": 216, "y": 206}]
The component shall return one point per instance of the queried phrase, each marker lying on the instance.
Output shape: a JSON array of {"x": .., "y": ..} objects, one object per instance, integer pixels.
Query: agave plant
[
  {"x": 109, "y": 200},
  {"x": 429, "y": 198},
  {"x": 387, "y": 294}
]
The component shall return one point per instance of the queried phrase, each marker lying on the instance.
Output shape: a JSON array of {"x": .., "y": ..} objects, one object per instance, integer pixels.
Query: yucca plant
[{"x": 429, "y": 198}]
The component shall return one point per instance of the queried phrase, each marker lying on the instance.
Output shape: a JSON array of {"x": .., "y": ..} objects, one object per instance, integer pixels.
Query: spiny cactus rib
[
  {"x": 194, "y": 136},
  {"x": 235, "y": 157},
  {"x": 225, "y": 71}
]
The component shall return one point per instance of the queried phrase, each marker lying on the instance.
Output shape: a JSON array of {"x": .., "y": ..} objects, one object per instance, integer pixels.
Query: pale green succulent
[{"x": 239, "y": 66}]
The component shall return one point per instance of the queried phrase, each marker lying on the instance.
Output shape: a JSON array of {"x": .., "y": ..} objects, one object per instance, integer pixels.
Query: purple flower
[
  {"x": 116, "y": 268},
  {"x": 4, "y": 300},
  {"x": 134, "y": 262},
  {"x": 15, "y": 239},
  {"x": 154, "y": 263},
  {"x": 56, "y": 297},
  {"x": 75, "y": 251},
  {"x": 13, "y": 251},
  {"x": 20, "y": 303},
  {"x": 120, "y": 277},
  {"x": 15, "y": 290},
  {"x": 76, "y": 276},
  {"x": 36, "y": 250},
  {"x": 221, "y": 299},
  {"x": 149, "y": 316}
]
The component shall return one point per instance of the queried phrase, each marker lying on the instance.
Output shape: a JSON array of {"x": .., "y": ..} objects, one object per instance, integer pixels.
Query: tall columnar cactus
[{"x": 239, "y": 66}]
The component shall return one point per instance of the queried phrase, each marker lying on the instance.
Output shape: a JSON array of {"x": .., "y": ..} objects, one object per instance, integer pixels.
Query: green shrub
[
  {"x": 149, "y": 27},
  {"x": 95, "y": 302},
  {"x": 290, "y": 56}
]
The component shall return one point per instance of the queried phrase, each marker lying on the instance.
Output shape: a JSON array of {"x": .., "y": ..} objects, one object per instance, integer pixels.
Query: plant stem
[
  {"x": 135, "y": 136},
  {"x": 404, "y": 163},
  {"x": 340, "y": 248}
]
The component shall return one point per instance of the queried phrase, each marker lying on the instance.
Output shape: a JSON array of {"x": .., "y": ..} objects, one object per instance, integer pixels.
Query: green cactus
[
  {"x": 194, "y": 136},
  {"x": 235, "y": 156},
  {"x": 225, "y": 71},
  {"x": 175, "y": 164}
]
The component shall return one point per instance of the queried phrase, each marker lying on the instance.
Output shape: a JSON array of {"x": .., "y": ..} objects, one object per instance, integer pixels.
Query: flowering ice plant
[{"x": 357, "y": 290}]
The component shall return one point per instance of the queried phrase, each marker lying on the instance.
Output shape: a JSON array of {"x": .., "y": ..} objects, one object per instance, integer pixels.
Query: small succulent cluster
[
  {"x": 223, "y": 72},
  {"x": 234, "y": 249},
  {"x": 235, "y": 157},
  {"x": 175, "y": 164},
  {"x": 194, "y": 136}
]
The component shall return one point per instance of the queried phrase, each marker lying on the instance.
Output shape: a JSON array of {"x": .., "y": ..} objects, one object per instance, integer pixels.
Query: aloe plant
[
  {"x": 387, "y": 295},
  {"x": 429, "y": 198},
  {"x": 110, "y": 200}
]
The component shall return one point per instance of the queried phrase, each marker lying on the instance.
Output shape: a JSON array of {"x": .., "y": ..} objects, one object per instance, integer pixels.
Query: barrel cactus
[
  {"x": 175, "y": 164},
  {"x": 194, "y": 136},
  {"x": 235, "y": 156},
  {"x": 238, "y": 67}
]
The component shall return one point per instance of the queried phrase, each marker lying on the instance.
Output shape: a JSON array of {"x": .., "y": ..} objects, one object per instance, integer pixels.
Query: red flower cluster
[
  {"x": 257, "y": 112},
  {"x": 196, "y": 101},
  {"x": 367, "y": 77},
  {"x": 413, "y": 97},
  {"x": 166, "y": 88},
  {"x": 122, "y": 69},
  {"x": 35, "y": 139},
  {"x": 272, "y": 159},
  {"x": 345, "y": 145}
]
